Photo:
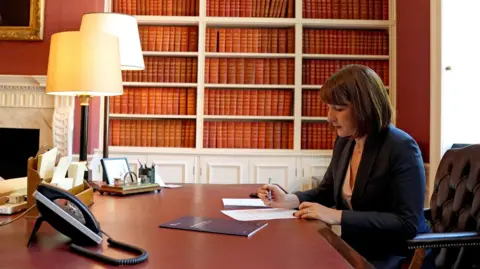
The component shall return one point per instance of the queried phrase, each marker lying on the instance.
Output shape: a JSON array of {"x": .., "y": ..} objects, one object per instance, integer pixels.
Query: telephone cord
[
  {"x": 142, "y": 254},
  {"x": 4, "y": 223}
]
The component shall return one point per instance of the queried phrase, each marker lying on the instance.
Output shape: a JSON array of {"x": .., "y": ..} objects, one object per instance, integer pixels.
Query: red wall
[
  {"x": 31, "y": 58},
  {"x": 413, "y": 71}
]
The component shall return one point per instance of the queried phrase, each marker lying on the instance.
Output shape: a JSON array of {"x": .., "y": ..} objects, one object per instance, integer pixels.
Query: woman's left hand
[{"x": 309, "y": 210}]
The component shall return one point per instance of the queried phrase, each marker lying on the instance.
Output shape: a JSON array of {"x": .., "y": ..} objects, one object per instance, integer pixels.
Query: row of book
[
  {"x": 251, "y": 40},
  {"x": 168, "y": 38},
  {"x": 248, "y": 102},
  {"x": 159, "y": 101},
  {"x": 346, "y": 9},
  {"x": 312, "y": 105},
  {"x": 316, "y": 72},
  {"x": 251, "y": 8},
  {"x": 233, "y": 102},
  {"x": 218, "y": 134},
  {"x": 335, "y": 41},
  {"x": 317, "y": 135},
  {"x": 248, "y": 135},
  {"x": 152, "y": 133},
  {"x": 245, "y": 71},
  {"x": 250, "y": 71},
  {"x": 157, "y": 7},
  {"x": 164, "y": 69},
  {"x": 265, "y": 40},
  {"x": 318, "y": 9}
]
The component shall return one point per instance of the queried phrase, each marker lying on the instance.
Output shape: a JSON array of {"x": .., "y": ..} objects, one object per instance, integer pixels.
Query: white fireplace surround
[{"x": 24, "y": 104}]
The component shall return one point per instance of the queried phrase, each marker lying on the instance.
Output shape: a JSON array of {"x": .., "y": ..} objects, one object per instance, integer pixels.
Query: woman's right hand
[{"x": 280, "y": 199}]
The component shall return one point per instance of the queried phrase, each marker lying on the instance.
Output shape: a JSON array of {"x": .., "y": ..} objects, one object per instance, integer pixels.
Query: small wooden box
[
  {"x": 84, "y": 192},
  {"x": 129, "y": 188}
]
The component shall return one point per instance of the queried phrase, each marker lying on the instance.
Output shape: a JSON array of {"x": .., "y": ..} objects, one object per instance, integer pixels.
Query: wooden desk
[{"x": 134, "y": 220}]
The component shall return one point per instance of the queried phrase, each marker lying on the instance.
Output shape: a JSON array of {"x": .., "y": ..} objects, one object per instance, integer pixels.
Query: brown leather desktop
[{"x": 135, "y": 219}]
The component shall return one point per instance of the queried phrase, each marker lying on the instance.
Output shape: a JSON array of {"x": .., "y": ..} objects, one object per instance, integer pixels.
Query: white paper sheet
[
  {"x": 62, "y": 168},
  {"x": 243, "y": 202},
  {"x": 159, "y": 180},
  {"x": 170, "y": 186},
  {"x": 46, "y": 163},
  {"x": 260, "y": 214},
  {"x": 76, "y": 170},
  {"x": 64, "y": 183}
]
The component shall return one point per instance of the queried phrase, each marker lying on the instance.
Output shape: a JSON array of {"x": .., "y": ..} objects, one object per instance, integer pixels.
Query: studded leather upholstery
[{"x": 455, "y": 204}]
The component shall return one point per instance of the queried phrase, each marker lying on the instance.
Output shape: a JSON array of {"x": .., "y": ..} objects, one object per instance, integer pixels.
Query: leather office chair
[{"x": 454, "y": 215}]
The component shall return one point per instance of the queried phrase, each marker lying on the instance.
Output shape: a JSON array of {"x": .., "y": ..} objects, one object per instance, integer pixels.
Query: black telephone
[{"x": 68, "y": 215}]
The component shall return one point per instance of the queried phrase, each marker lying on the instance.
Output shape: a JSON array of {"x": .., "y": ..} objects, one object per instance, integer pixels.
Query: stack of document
[{"x": 258, "y": 213}]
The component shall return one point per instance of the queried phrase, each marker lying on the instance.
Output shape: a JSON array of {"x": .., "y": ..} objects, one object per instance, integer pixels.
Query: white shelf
[
  {"x": 311, "y": 87},
  {"x": 345, "y": 57},
  {"x": 260, "y": 118},
  {"x": 225, "y": 151},
  {"x": 314, "y": 118},
  {"x": 309, "y": 152},
  {"x": 170, "y": 53},
  {"x": 160, "y": 84},
  {"x": 150, "y": 116},
  {"x": 250, "y": 86},
  {"x": 345, "y": 24},
  {"x": 167, "y": 20},
  {"x": 264, "y": 22},
  {"x": 249, "y": 22},
  {"x": 317, "y": 87},
  {"x": 248, "y": 55}
]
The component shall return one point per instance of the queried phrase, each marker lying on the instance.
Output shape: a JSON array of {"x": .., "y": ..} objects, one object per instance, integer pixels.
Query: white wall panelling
[{"x": 174, "y": 169}]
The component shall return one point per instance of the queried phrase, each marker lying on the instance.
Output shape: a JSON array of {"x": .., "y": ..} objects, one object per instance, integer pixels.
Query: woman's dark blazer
[{"x": 388, "y": 194}]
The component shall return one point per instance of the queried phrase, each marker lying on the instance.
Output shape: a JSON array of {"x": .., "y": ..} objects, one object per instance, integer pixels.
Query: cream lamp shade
[
  {"x": 84, "y": 64},
  {"x": 123, "y": 26}
]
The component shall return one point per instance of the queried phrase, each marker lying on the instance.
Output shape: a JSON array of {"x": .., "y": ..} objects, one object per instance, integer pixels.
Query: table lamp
[
  {"x": 84, "y": 64},
  {"x": 125, "y": 27}
]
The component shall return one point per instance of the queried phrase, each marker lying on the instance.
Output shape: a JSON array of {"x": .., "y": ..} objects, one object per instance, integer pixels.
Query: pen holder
[{"x": 146, "y": 175}]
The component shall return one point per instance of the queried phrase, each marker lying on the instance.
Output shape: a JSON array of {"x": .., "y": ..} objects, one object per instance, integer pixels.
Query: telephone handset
[{"x": 68, "y": 215}]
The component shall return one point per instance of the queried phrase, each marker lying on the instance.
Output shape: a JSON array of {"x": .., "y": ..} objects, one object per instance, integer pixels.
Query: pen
[
  {"x": 139, "y": 162},
  {"x": 269, "y": 191}
]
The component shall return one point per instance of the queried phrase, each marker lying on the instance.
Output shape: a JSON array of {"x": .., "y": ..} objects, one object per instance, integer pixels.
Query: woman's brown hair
[{"x": 361, "y": 88}]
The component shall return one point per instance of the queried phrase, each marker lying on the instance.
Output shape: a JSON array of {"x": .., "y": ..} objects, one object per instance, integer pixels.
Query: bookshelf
[{"x": 230, "y": 95}]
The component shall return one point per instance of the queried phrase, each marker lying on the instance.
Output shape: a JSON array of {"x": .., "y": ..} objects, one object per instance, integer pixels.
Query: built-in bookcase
[{"x": 242, "y": 77}]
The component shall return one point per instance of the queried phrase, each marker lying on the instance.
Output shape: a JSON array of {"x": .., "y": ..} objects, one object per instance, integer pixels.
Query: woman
[{"x": 374, "y": 187}]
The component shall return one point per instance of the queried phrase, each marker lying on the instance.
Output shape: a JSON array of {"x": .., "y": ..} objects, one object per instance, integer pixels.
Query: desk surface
[{"x": 134, "y": 220}]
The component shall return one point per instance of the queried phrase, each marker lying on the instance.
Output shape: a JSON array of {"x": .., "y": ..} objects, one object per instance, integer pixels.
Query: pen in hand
[{"x": 269, "y": 192}]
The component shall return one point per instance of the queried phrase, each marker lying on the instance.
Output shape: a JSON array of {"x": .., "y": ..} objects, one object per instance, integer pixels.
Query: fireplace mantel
[{"x": 24, "y": 104}]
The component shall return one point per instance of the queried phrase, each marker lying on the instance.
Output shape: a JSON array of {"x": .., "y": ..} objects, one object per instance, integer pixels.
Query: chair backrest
[{"x": 455, "y": 202}]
